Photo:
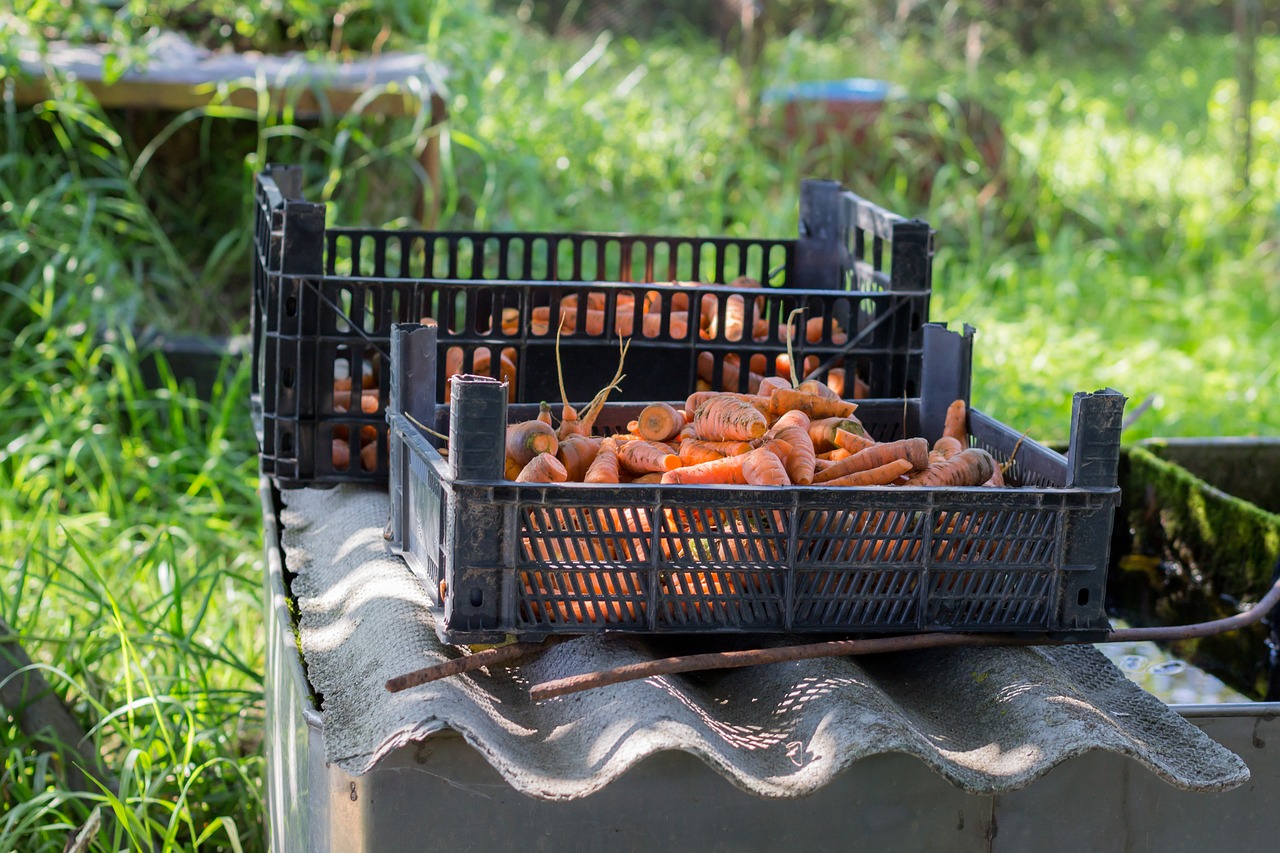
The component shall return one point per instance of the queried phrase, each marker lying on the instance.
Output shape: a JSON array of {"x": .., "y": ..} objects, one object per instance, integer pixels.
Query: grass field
[{"x": 1112, "y": 244}]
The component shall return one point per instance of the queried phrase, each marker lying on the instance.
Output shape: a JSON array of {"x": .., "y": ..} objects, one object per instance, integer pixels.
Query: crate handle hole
[
  {"x": 477, "y": 596},
  {"x": 286, "y": 443},
  {"x": 291, "y": 306},
  {"x": 1082, "y": 598},
  {"x": 286, "y": 377}
]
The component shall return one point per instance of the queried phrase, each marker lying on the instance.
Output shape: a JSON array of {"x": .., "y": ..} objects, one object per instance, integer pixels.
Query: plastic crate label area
[
  {"x": 506, "y": 559},
  {"x": 326, "y": 298}
]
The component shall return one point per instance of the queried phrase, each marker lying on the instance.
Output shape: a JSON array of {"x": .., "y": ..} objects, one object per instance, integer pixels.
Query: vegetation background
[{"x": 1102, "y": 175}]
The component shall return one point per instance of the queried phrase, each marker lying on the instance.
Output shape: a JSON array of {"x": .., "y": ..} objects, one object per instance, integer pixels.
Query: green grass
[{"x": 1112, "y": 246}]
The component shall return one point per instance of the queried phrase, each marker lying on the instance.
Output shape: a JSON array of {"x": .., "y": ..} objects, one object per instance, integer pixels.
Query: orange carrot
[
  {"x": 726, "y": 418},
  {"x": 835, "y": 381},
  {"x": 570, "y": 420},
  {"x": 543, "y": 468},
  {"x": 695, "y": 451},
  {"x": 822, "y": 431},
  {"x": 996, "y": 480},
  {"x": 772, "y": 383},
  {"x": 648, "y": 478},
  {"x": 641, "y": 457},
  {"x": 604, "y": 467},
  {"x": 820, "y": 389},
  {"x": 481, "y": 364},
  {"x": 948, "y": 446},
  {"x": 881, "y": 475},
  {"x": 697, "y": 398},
  {"x": 576, "y": 453},
  {"x": 852, "y": 441},
  {"x": 861, "y": 390},
  {"x": 511, "y": 468},
  {"x": 369, "y": 457},
  {"x": 972, "y": 466},
  {"x": 813, "y": 405},
  {"x": 510, "y": 321},
  {"x": 544, "y": 412},
  {"x": 793, "y": 428},
  {"x": 955, "y": 424},
  {"x": 728, "y": 470},
  {"x": 527, "y": 439},
  {"x": 730, "y": 372},
  {"x": 341, "y": 454},
  {"x": 659, "y": 422},
  {"x": 914, "y": 450},
  {"x": 764, "y": 467}
]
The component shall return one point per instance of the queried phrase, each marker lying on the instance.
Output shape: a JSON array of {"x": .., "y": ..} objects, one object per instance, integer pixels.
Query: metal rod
[
  {"x": 879, "y": 645},
  {"x": 489, "y": 657}
]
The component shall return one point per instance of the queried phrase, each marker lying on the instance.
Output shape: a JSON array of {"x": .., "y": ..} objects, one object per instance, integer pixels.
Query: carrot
[
  {"x": 604, "y": 467},
  {"x": 914, "y": 450},
  {"x": 728, "y": 470},
  {"x": 948, "y": 446},
  {"x": 659, "y": 422},
  {"x": 570, "y": 420},
  {"x": 697, "y": 398},
  {"x": 813, "y": 331},
  {"x": 544, "y": 412},
  {"x": 511, "y": 469},
  {"x": 510, "y": 321},
  {"x": 813, "y": 405},
  {"x": 782, "y": 365},
  {"x": 369, "y": 401},
  {"x": 852, "y": 441},
  {"x": 955, "y": 424},
  {"x": 641, "y": 457},
  {"x": 764, "y": 467},
  {"x": 576, "y": 453},
  {"x": 369, "y": 457},
  {"x": 527, "y": 439},
  {"x": 835, "y": 381},
  {"x": 695, "y": 451},
  {"x": 822, "y": 431},
  {"x": 648, "y": 478},
  {"x": 543, "y": 468},
  {"x": 726, "y": 418},
  {"x": 341, "y": 454},
  {"x": 342, "y": 383},
  {"x": 820, "y": 389},
  {"x": 772, "y": 383},
  {"x": 972, "y": 466},
  {"x": 996, "y": 480},
  {"x": 793, "y": 428},
  {"x": 481, "y": 364},
  {"x": 861, "y": 390},
  {"x": 651, "y": 324},
  {"x": 735, "y": 315},
  {"x": 730, "y": 372},
  {"x": 881, "y": 475}
]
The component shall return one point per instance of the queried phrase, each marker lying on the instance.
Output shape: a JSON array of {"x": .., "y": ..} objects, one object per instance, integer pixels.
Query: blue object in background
[{"x": 851, "y": 89}]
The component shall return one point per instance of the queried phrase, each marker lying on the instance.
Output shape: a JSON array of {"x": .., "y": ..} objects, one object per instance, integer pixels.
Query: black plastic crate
[
  {"x": 326, "y": 298},
  {"x": 504, "y": 559}
]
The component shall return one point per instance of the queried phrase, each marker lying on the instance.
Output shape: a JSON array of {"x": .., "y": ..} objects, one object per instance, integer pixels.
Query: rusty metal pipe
[{"x": 879, "y": 645}]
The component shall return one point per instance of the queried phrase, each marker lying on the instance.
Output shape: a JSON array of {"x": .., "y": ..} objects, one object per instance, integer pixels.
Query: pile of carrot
[
  {"x": 669, "y": 308},
  {"x": 344, "y": 397},
  {"x": 783, "y": 436}
]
